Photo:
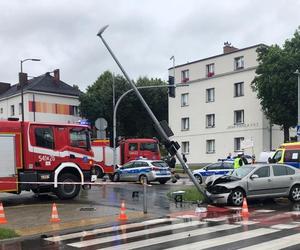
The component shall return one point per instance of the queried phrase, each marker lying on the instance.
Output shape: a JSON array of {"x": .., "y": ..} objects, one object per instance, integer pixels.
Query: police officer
[{"x": 238, "y": 162}]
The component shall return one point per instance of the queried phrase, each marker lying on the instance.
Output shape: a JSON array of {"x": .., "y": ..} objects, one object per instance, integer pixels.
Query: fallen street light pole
[{"x": 171, "y": 146}]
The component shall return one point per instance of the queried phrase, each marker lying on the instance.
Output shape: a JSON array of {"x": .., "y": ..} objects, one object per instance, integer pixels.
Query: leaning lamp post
[
  {"x": 22, "y": 87},
  {"x": 171, "y": 145}
]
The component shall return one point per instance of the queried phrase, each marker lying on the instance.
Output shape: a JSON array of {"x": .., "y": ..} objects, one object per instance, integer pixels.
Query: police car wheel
[
  {"x": 199, "y": 178},
  {"x": 143, "y": 179},
  {"x": 116, "y": 177}
]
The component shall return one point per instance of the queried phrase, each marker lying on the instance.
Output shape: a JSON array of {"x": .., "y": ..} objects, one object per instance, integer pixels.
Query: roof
[
  {"x": 44, "y": 83},
  {"x": 223, "y": 54}
]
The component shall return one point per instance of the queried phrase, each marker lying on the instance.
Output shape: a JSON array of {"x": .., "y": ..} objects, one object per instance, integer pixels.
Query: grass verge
[
  {"x": 191, "y": 194},
  {"x": 6, "y": 233}
]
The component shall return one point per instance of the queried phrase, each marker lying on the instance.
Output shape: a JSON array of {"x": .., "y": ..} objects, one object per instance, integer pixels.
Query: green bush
[{"x": 191, "y": 194}]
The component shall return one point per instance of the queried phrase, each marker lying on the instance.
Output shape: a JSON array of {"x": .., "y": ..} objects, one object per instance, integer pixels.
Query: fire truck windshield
[
  {"x": 149, "y": 146},
  {"x": 80, "y": 138}
]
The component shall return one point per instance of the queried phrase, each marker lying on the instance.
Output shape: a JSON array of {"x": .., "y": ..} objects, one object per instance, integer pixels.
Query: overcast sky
[{"x": 143, "y": 34}]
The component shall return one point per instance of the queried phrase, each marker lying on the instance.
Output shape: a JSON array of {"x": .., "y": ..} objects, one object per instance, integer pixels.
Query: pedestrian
[
  {"x": 244, "y": 160},
  {"x": 229, "y": 156},
  {"x": 184, "y": 158}
]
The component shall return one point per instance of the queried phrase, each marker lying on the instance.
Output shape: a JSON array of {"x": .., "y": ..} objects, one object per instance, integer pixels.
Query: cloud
[{"x": 143, "y": 34}]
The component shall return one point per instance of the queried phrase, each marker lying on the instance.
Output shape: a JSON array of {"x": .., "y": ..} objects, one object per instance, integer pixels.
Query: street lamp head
[
  {"x": 35, "y": 59},
  {"x": 102, "y": 30}
]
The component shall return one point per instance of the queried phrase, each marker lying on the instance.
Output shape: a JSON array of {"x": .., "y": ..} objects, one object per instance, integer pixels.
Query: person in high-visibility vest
[{"x": 238, "y": 162}]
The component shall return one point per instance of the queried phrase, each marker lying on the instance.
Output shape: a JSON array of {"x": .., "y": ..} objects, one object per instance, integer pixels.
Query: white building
[
  {"x": 46, "y": 99},
  {"x": 218, "y": 109}
]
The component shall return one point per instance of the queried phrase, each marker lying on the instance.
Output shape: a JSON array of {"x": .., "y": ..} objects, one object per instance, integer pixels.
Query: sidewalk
[{"x": 30, "y": 220}]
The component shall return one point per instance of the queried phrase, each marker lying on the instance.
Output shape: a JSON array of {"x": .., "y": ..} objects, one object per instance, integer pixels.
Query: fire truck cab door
[{"x": 42, "y": 138}]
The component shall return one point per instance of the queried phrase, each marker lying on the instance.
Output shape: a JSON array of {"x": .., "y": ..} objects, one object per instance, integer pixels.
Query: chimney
[
  {"x": 228, "y": 48},
  {"x": 56, "y": 75}
]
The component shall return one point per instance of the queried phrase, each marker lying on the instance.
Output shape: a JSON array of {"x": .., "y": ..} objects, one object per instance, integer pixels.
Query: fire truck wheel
[
  {"x": 67, "y": 191},
  {"x": 99, "y": 172}
]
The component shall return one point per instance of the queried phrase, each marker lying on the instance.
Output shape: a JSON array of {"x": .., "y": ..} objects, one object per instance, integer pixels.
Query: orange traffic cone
[
  {"x": 245, "y": 212},
  {"x": 54, "y": 214},
  {"x": 122, "y": 215},
  {"x": 2, "y": 215}
]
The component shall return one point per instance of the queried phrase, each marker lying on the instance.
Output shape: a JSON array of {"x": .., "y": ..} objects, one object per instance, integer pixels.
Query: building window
[
  {"x": 185, "y": 123},
  {"x": 12, "y": 110},
  {"x": 238, "y": 116},
  {"x": 239, "y": 63},
  {"x": 210, "y": 146},
  {"x": 185, "y": 147},
  {"x": 210, "y": 120},
  {"x": 185, "y": 75},
  {"x": 237, "y": 143},
  {"x": 210, "y": 70},
  {"x": 184, "y": 99},
  {"x": 238, "y": 89},
  {"x": 210, "y": 95},
  {"x": 1, "y": 110},
  {"x": 20, "y": 108}
]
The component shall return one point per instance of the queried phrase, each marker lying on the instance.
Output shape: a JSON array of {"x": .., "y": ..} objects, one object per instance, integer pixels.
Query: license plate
[{"x": 93, "y": 178}]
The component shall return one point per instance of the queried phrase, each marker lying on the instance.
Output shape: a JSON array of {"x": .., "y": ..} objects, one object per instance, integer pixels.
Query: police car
[
  {"x": 143, "y": 170},
  {"x": 218, "y": 168}
]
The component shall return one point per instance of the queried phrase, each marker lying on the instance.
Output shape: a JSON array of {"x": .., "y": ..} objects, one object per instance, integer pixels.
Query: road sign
[{"x": 101, "y": 124}]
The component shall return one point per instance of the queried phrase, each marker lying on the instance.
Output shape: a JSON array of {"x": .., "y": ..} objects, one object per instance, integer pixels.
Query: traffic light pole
[{"x": 170, "y": 145}]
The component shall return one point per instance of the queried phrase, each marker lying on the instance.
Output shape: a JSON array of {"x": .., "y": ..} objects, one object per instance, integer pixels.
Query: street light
[
  {"x": 298, "y": 121},
  {"x": 171, "y": 145},
  {"x": 21, "y": 83}
]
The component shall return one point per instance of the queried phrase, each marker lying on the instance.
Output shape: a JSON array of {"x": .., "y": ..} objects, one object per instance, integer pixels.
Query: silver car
[
  {"x": 255, "y": 181},
  {"x": 143, "y": 170}
]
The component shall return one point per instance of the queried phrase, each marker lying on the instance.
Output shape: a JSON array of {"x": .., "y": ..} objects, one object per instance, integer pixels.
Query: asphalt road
[{"x": 268, "y": 221}]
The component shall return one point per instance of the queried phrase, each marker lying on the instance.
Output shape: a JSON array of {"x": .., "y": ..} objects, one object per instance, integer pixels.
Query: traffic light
[{"x": 171, "y": 89}]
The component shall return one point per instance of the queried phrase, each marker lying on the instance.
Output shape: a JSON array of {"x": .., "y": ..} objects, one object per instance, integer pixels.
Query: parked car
[
  {"x": 255, "y": 181},
  {"x": 219, "y": 168},
  {"x": 143, "y": 170}
]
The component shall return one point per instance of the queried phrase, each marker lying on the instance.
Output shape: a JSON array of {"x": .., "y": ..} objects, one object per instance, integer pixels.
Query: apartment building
[
  {"x": 46, "y": 99},
  {"x": 218, "y": 113}
]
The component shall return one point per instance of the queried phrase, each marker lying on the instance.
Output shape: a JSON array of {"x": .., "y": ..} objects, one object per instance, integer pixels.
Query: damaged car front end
[{"x": 228, "y": 189}]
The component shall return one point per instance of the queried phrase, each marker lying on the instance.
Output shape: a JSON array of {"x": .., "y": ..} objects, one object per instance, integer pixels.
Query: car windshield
[{"x": 242, "y": 171}]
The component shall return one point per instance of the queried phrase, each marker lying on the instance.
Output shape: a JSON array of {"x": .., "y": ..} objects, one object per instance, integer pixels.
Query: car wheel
[
  {"x": 236, "y": 197},
  {"x": 143, "y": 179},
  {"x": 199, "y": 178},
  {"x": 162, "y": 181},
  {"x": 67, "y": 191},
  {"x": 295, "y": 193},
  {"x": 116, "y": 177},
  {"x": 99, "y": 172}
]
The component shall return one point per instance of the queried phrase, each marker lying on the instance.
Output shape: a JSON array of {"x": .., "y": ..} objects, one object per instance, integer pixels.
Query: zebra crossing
[{"x": 187, "y": 232}]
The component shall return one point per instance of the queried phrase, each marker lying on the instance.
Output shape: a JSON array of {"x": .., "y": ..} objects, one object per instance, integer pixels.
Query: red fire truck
[
  {"x": 127, "y": 150},
  {"x": 42, "y": 157}
]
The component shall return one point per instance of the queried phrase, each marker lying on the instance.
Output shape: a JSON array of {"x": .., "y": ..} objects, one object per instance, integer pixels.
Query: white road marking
[
  {"x": 284, "y": 226},
  {"x": 264, "y": 211},
  {"x": 223, "y": 218},
  {"x": 280, "y": 243},
  {"x": 125, "y": 235},
  {"x": 246, "y": 222},
  {"x": 219, "y": 241},
  {"x": 172, "y": 237},
  {"x": 109, "y": 229}
]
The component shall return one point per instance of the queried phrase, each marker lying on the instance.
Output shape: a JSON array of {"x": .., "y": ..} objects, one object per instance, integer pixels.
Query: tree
[
  {"x": 132, "y": 118},
  {"x": 276, "y": 83}
]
